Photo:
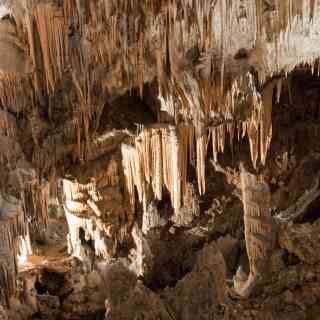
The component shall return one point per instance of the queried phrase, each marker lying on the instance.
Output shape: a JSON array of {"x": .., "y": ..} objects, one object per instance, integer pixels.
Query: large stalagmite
[{"x": 259, "y": 229}]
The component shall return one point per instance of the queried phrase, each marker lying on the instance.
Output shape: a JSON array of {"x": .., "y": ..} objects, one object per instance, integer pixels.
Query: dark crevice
[
  {"x": 126, "y": 112},
  {"x": 312, "y": 213},
  {"x": 50, "y": 282}
]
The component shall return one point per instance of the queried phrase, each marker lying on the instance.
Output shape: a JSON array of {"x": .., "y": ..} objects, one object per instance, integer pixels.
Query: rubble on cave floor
[{"x": 64, "y": 290}]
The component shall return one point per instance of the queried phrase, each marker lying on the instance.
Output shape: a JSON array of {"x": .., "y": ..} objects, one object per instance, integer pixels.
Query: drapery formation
[{"x": 160, "y": 158}]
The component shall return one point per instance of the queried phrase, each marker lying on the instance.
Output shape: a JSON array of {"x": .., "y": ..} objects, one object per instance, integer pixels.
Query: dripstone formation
[{"x": 159, "y": 159}]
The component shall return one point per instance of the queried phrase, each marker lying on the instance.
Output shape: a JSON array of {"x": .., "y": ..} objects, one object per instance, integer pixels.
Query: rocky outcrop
[
  {"x": 128, "y": 298},
  {"x": 301, "y": 240},
  {"x": 204, "y": 290}
]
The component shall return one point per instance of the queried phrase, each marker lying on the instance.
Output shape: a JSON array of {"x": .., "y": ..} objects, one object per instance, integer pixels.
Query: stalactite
[
  {"x": 15, "y": 92},
  {"x": 157, "y": 173},
  {"x": 172, "y": 143},
  {"x": 112, "y": 175},
  {"x": 51, "y": 30},
  {"x": 190, "y": 208},
  {"x": 201, "y": 162},
  {"x": 160, "y": 158},
  {"x": 266, "y": 122},
  {"x": 8, "y": 125},
  {"x": 143, "y": 255},
  {"x": 24, "y": 248},
  {"x": 36, "y": 204},
  {"x": 215, "y": 149},
  {"x": 132, "y": 172},
  {"x": 12, "y": 226},
  {"x": 221, "y": 137},
  {"x": 30, "y": 27},
  {"x": 253, "y": 135},
  {"x": 35, "y": 124},
  {"x": 186, "y": 134},
  {"x": 279, "y": 88}
]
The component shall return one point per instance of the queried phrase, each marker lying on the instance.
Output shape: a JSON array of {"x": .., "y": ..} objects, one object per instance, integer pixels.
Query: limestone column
[{"x": 259, "y": 228}]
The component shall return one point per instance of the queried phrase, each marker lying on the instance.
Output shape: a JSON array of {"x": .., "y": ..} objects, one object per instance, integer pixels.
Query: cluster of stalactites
[
  {"x": 252, "y": 114},
  {"x": 48, "y": 23},
  {"x": 245, "y": 111},
  {"x": 15, "y": 91},
  {"x": 35, "y": 199},
  {"x": 8, "y": 126},
  {"x": 160, "y": 155},
  {"x": 287, "y": 36},
  {"x": 12, "y": 227},
  {"x": 141, "y": 33},
  {"x": 160, "y": 158}
]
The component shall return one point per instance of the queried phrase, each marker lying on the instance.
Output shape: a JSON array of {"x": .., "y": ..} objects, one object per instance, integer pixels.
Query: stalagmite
[
  {"x": 143, "y": 257},
  {"x": 151, "y": 217},
  {"x": 259, "y": 228}
]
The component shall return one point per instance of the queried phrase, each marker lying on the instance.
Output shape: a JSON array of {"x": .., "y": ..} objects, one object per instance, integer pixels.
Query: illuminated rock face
[{"x": 95, "y": 211}]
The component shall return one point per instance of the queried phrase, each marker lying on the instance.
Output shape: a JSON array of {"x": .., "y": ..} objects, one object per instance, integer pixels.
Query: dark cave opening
[
  {"x": 128, "y": 111},
  {"x": 312, "y": 214},
  {"x": 50, "y": 282},
  {"x": 85, "y": 242}
]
